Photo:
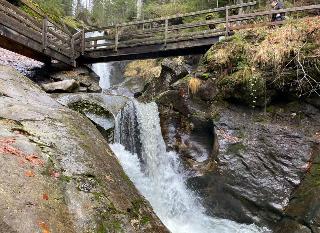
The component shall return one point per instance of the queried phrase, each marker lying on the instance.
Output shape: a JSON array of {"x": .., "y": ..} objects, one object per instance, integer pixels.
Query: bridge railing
[
  {"x": 164, "y": 29},
  {"x": 180, "y": 28},
  {"x": 38, "y": 29}
]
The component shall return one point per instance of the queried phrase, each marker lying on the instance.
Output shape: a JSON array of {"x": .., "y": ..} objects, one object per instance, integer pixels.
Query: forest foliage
[{"x": 108, "y": 12}]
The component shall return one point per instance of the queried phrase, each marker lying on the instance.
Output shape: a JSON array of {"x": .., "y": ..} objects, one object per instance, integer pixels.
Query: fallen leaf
[
  {"x": 44, "y": 227},
  {"x": 109, "y": 178},
  {"x": 22, "y": 162},
  {"x": 35, "y": 160},
  {"x": 7, "y": 140},
  {"x": 29, "y": 173},
  {"x": 45, "y": 197}
]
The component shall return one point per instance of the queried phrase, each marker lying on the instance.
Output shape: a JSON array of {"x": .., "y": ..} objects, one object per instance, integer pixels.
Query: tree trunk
[{"x": 139, "y": 9}]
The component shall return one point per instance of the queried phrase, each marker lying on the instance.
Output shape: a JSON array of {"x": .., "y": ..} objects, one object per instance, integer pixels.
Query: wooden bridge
[{"x": 42, "y": 39}]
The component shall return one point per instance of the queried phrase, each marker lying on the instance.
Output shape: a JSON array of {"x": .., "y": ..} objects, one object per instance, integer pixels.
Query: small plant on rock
[{"x": 194, "y": 85}]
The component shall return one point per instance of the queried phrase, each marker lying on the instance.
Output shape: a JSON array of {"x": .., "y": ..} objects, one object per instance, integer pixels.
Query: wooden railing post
[
  {"x": 166, "y": 26},
  {"x": 73, "y": 51},
  {"x": 116, "y": 38},
  {"x": 227, "y": 20},
  {"x": 83, "y": 42},
  {"x": 44, "y": 33}
]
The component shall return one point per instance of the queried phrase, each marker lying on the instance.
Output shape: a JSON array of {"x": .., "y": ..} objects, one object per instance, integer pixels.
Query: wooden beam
[
  {"x": 166, "y": 32},
  {"x": 44, "y": 33}
]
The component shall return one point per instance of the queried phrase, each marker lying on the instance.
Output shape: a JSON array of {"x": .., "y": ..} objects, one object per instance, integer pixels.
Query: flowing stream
[
  {"x": 157, "y": 173},
  {"x": 159, "y": 176}
]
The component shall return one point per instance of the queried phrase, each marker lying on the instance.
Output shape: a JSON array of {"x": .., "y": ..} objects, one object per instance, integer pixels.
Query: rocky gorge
[
  {"x": 58, "y": 173},
  {"x": 240, "y": 149}
]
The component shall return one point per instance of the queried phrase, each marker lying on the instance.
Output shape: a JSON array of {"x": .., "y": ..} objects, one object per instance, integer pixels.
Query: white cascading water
[
  {"x": 103, "y": 70},
  {"x": 158, "y": 175}
]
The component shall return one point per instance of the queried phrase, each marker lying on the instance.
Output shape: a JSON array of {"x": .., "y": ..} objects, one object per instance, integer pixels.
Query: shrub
[
  {"x": 286, "y": 58},
  {"x": 194, "y": 85}
]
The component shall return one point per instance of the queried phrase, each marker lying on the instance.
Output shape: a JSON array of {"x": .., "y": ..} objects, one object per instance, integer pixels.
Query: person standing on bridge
[{"x": 277, "y": 5}]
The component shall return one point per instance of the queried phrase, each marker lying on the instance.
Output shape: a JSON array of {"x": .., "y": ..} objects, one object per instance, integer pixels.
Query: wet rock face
[
  {"x": 171, "y": 71},
  {"x": 58, "y": 174},
  {"x": 262, "y": 167},
  {"x": 303, "y": 211},
  {"x": 258, "y": 167},
  {"x": 131, "y": 87},
  {"x": 192, "y": 138}
]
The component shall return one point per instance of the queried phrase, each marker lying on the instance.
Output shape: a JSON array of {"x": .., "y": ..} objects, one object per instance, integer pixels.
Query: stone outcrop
[
  {"x": 58, "y": 173},
  {"x": 247, "y": 165},
  {"x": 61, "y": 86}
]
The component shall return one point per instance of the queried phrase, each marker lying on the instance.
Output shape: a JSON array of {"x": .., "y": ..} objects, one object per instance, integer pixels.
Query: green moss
[
  {"x": 253, "y": 66},
  {"x": 88, "y": 106},
  {"x": 271, "y": 109},
  {"x": 260, "y": 118},
  {"x": 236, "y": 148},
  {"x": 126, "y": 178},
  {"x": 205, "y": 76},
  {"x": 98, "y": 195},
  {"x": 49, "y": 168},
  {"x": 65, "y": 178},
  {"x": 135, "y": 210},
  {"x": 145, "y": 220},
  {"x": 101, "y": 228},
  {"x": 216, "y": 116}
]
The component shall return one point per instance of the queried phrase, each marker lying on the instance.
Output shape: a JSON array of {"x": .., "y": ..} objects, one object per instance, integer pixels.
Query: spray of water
[{"x": 159, "y": 176}]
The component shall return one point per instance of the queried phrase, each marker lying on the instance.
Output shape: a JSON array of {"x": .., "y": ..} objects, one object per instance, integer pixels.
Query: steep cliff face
[
  {"x": 58, "y": 174},
  {"x": 249, "y": 163}
]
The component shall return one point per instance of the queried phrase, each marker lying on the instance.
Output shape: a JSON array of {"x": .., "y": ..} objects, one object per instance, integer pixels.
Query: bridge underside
[
  {"x": 25, "y": 45},
  {"x": 19, "y": 44},
  {"x": 199, "y": 46}
]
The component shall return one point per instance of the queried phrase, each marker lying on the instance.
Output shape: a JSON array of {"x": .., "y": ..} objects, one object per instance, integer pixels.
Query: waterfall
[
  {"x": 159, "y": 176},
  {"x": 103, "y": 70}
]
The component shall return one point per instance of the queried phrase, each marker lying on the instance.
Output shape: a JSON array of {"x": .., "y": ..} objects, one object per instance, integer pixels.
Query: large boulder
[
  {"x": 101, "y": 109},
  {"x": 86, "y": 79},
  {"x": 58, "y": 173},
  {"x": 171, "y": 71},
  {"x": 61, "y": 86},
  {"x": 258, "y": 166}
]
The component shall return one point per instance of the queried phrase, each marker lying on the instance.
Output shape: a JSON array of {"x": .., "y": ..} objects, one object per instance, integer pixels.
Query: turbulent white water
[
  {"x": 103, "y": 70},
  {"x": 159, "y": 177}
]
